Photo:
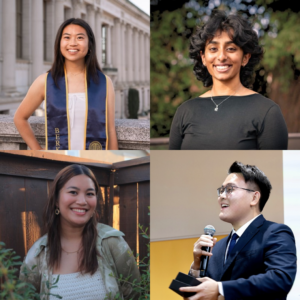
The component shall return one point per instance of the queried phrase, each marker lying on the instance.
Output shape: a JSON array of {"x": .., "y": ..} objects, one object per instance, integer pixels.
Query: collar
[
  {"x": 242, "y": 229},
  {"x": 104, "y": 231}
]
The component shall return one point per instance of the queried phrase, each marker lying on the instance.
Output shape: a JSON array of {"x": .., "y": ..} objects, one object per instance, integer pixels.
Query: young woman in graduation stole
[{"x": 79, "y": 98}]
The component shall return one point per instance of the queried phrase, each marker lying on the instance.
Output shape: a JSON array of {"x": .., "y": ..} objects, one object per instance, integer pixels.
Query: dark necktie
[{"x": 232, "y": 243}]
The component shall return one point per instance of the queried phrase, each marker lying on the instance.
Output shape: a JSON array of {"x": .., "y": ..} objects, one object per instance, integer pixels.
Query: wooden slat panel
[
  {"x": 32, "y": 220},
  {"x": 144, "y": 217},
  {"x": 133, "y": 174},
  {"x": 131, "y": 162},
  {"x": 18, "y": 165},
  {"x": 12, "y": 206},
  {"x": 128, "y": 213},
  {"x": 101, "y": 202}
]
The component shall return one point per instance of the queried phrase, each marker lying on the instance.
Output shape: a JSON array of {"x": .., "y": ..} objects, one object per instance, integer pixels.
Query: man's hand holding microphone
[{"x": 208, "y": 289}]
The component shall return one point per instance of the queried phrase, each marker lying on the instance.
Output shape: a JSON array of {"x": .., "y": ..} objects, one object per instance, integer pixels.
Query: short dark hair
[
  {"x": 255, "y": 175},
  {"x": 241, "y": 33}
]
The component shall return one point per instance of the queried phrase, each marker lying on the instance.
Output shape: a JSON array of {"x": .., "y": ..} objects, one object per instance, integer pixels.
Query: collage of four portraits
[{"x": 95, "y": 96}]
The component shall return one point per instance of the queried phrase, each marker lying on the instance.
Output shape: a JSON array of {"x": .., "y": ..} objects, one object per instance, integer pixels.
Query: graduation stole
[{"x": 57, "y": 121}]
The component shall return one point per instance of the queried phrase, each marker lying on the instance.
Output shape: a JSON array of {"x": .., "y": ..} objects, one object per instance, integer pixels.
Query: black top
[{"x": 241, "y": 122}]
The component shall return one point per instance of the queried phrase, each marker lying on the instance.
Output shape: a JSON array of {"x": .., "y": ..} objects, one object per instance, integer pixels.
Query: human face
[
  {"x": 74, "y": 43},
  {"x": 77, "y": 201},
  {"x": 238, "y": 207},
  {"x": 223, "y": 58}
]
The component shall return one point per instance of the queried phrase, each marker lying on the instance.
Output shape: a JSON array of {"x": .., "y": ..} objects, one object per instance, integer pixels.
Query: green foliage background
[{"x": 172, "y": 78}]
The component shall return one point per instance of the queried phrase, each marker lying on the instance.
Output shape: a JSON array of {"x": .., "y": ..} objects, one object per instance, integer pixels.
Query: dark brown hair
[
  {"x": 91, "y": 62},
  {"x": 88, "y": 255},
  {"x": 241, "y": 33}
]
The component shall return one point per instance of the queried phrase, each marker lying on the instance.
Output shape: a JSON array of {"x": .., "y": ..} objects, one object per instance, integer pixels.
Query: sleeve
[
  {"x": 274, "y": 134},
  {"x": 126, "y": 266},
  {"x": 176, "y": 134},
  {"x": 29, "y": 271},
  {"x": 279, "y": 270}
]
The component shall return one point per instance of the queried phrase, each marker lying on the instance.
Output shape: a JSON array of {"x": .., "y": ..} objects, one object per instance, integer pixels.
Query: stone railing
[
  {"x": 132, "y": 134},
  {"x": 163, "y": 143}
]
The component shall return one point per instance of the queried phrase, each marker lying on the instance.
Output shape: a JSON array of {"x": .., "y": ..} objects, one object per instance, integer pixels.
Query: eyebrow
[
  {"x": 215, "y": 42},
  {"x": 76, "y": 34},
  {"x": 78, "y": 189}
]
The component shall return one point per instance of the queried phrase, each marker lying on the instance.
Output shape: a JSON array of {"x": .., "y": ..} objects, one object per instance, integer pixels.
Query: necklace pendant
[{"x": 216, "y": 109}]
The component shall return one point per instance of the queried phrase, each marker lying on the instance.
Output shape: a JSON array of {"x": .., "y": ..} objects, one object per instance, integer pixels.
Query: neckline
[
  {"x": 233, "y": 96},
  {"x": 77, "y": 93},
  {"x": 66, "y": 274}
]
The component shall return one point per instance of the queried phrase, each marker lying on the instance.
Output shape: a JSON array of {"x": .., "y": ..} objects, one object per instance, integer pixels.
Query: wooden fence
[{"x": 24, "y": 185}]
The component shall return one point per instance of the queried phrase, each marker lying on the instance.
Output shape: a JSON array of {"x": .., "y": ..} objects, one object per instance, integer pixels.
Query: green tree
[{"x": 172, "y": 79}]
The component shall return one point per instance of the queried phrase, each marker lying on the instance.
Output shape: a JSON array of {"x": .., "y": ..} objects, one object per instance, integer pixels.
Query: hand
[
  {"x": 208, "y": 290},
  {"x": 203, "y": 241}
]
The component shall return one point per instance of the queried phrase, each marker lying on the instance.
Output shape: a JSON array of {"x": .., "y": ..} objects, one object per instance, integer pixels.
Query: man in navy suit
[{"x": 258, "y": 258}]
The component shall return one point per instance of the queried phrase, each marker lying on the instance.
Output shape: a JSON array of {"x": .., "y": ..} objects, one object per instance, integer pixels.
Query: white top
[
  {"x": 77, "y": 110},
  {"x": 75, "y": 286}
]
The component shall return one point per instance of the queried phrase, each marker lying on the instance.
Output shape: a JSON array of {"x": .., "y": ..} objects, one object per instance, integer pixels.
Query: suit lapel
[
  {"x": 216, "y": 262},
  {"x": 247, "y": 236}
]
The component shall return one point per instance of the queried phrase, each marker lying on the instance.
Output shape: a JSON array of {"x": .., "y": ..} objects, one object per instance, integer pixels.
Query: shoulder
[
  {"x": 189, "y": 104},
  {"x": 261, "y": 100},
  {"x": 277, "y": 232},
  {"x": 277, "y": 227},
  {"x": 106, "y": 231},
  {"x": 36, "y": 249},
  {"x": 109, "y": 83},
  {"x": 40, "y": 81},
  {"x": 42, "y": 78}
]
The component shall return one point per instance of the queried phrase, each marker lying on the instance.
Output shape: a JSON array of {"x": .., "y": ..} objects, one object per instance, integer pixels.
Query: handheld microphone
[{"x": 208, "y": 230}]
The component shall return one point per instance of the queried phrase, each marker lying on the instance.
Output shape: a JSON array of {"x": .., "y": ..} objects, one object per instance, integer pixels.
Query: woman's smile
[
  {"x": 77, "y": 200},
  {"x": 223, "y": 58},
  {"x": 74, "y": 42}
]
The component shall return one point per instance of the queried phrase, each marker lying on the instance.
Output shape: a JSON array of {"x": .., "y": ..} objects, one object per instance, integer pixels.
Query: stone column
[
  {"x": 37, "y": 38},
  {"x": 77, "y": 9},
  {"x": 116, "y": 50},
  {"x": 123, "y": 53},
  {"x": 142, "y": 59},
  {"x": 91, "y": 17},
  {"x": 148, "y": 58},
  {"x": 130, "y": 54},
  {"x": 108, "y": 46},
  {"x": 136, "y": 55},
  {"x": 59, "y": 14},
  {"x": 9, "y": 47},
  {"x": 98, "y": 37}
]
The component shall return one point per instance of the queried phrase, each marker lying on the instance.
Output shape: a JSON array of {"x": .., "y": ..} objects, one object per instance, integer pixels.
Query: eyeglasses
[{"x": 229, "y": 189}]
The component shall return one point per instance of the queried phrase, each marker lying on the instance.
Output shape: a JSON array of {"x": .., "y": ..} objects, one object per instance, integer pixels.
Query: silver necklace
[{"x": 217, "y": 105}]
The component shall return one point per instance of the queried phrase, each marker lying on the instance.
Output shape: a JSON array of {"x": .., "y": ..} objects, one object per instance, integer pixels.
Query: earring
[{"x": 57, "y": 211}]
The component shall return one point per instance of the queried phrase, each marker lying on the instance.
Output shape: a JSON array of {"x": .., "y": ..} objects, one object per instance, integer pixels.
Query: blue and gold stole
[{"x": 57, "y": 121}]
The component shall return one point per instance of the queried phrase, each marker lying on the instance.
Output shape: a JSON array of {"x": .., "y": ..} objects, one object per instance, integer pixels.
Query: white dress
[
  {"x": 75, "y": 286},
  {"x": 77, "y": 110}
]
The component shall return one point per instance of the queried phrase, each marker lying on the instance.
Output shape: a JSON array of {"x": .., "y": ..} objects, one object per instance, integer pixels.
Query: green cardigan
[{"x": 115, "y": 258}]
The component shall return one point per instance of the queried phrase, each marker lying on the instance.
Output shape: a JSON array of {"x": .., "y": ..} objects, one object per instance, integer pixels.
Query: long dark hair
[
  {"x": 88, "y": 255},
  {"x": 91, "y": 62},
  {"x": 241, "y": 33}
]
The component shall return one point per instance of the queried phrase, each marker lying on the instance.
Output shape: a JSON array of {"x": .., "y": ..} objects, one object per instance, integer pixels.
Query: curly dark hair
[{"x": 241, "y": 33}]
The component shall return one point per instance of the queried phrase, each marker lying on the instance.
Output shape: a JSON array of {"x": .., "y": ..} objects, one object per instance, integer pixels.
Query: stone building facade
[{"x": 27, "y": 34}]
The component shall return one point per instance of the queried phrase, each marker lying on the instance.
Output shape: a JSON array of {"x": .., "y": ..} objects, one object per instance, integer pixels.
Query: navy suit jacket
[{"x": 262, "y": 265}]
